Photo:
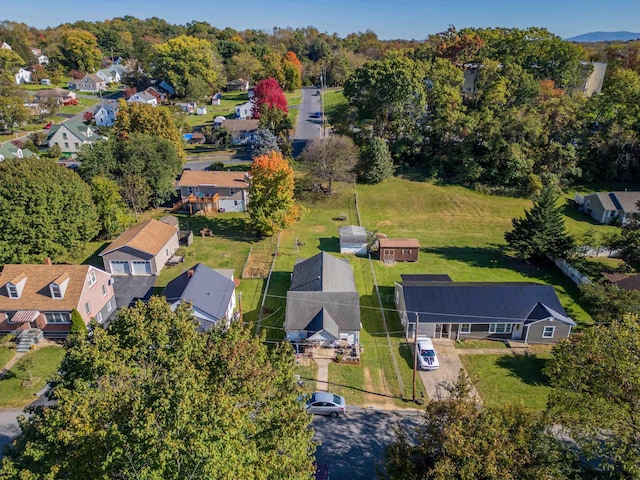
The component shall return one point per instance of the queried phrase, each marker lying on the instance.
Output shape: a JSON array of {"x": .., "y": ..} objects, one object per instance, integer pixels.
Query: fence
[{"x": 571, "y": 272}]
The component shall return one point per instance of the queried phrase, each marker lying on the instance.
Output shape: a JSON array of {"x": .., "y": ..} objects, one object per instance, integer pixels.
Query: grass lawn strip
[
  {"x": 508, "y": 379},
  {"x": 6, "y": 354},
  {"x": 479, "y": 344},
  {"x": 42, "y": 363}
]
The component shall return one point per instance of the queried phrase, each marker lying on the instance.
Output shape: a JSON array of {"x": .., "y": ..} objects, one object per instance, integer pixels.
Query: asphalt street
[
  {"x": 352, "y": 446},
  {"x": 307, "y": 127},
  {"x": 9, "y": 427}
]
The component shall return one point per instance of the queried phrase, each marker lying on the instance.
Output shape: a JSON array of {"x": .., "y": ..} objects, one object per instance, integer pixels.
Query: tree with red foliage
[
  {"x": 88, "y": 116},
  {"x": 270, "y": 105}
]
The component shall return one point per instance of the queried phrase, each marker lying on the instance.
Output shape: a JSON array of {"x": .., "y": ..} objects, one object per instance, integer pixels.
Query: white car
[
  {"x": 427, "y": 358},
  {"x": 325, "y": 403}
]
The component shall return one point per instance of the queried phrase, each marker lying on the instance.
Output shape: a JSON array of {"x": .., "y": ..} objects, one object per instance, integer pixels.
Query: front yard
[{"x": 28, "y": 375}]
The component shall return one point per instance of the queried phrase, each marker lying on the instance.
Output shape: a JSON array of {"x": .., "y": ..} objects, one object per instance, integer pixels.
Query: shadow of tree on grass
[{"x": 527, "y": 368}]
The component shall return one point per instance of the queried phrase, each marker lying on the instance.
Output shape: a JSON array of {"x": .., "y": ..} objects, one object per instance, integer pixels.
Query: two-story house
[
  {"x": 105, "y": 115},
  {"x": 89, "y": 83},
  {"x": 43, "y": 296},
  {"x": 71, "y": 135},
  {"x": 214, "y": 191}
]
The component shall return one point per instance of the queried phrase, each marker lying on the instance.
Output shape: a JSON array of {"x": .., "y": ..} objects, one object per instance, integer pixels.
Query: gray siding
[{"x": 535, "y": 330}]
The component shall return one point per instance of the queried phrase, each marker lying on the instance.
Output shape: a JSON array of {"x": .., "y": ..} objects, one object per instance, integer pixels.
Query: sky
[{"x": 389, "y": 19}]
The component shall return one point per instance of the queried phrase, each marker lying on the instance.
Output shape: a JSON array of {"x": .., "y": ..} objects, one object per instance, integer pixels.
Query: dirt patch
[
  {"x": 318, "y": 228},
  {"x": 372, "y": 400},
  {"x": 383, "y": 223},
  {"x": 258, "y": 263}
]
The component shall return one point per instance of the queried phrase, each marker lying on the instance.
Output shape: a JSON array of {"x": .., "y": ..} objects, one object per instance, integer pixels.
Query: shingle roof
[
  {"x": 241, "y": 125},
  {"x": 323, "y": 273},
  {"x": 399, "y": 243},
  {"x": 208, "y": 290},
  {"x": 350, "y": 233},
  {"x": 451, "y": 302},
  {"x": 192, "y": 178},
  {"x": 149, "y": 237},
  {"x": 303, "y": 307},
  {"x": 628, "y": 201},
  {"x": 630, "y": 283},
  {"x": 76, "y": 128},
  {"x": 36, "y": 294}
]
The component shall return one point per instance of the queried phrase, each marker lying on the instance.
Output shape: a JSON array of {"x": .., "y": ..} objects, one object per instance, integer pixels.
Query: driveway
[
  {"x": 130, "y": 288},
  {"x": 450, "y": 366},
  {"x": 351, "y": 446},
  {"x": 307, "y": 127}
]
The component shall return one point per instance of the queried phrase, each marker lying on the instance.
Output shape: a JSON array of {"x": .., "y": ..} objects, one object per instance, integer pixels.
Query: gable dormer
[
  {"x": 58, "y": 287},
  {"x": 19, "y": 153},
  {"x": 16, "y": 286}
]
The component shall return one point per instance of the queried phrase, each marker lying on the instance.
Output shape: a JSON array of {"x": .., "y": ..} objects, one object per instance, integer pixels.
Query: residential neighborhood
[{"x": 426, "y": 250}]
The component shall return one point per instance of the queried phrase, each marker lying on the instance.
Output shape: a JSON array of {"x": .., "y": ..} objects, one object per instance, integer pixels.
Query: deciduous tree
[
  {"x": 268, "y": 96},
  {"x": 541, "y": 232},
  {"x": 46, "y": 211},
  {"x": 272, "y": 206},
  {"x": 112, "y": 211},
  {"x": 331, "y": 159},
  {"x": 80, "y": 50},
  {"x": 596, "y": 397},
  {"x": 12, "y": 112},
  {"x": 292, "y": 69},
  {"x": 462, "y": 440},
  {"x": 153, "y": 397}
]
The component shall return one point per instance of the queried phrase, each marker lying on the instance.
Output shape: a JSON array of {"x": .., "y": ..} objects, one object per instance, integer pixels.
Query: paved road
[
  {"x": 9, "y": 427},
  {"x": 352, "y": 446},
  {"x": 205, "y": 164},
  {"x": 307, "y": 127}
]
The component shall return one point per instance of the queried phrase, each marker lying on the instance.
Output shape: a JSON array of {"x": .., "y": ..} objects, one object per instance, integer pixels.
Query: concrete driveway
[
  {"x": 352, "y": 446},
  {"x": 129, "y": 289},
  {"x": 450, "y": 366}
]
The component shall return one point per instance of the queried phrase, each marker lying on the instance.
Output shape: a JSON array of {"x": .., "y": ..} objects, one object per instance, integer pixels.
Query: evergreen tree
[
  {"x": 78, "y": 327},
  {"x": 541, "y": 232},
  {"x": 264, "y": 142},
  {"x": 375, "y": 163}
]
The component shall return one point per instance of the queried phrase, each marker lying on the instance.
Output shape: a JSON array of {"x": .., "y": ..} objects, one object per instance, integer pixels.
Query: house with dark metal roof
[
  {"x": 353, "y": 239},
  {"x": 606, "y": 207},
  {"x": 211, "y": 293},
  {"x": 323, "y": 304},
  {"x": 526, "y": 312}
]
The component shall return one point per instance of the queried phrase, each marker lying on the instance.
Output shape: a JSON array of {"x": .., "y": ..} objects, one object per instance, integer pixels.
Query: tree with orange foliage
[
  {"x": 292, "y": 69},
  {"x": 272, "y": 207}
]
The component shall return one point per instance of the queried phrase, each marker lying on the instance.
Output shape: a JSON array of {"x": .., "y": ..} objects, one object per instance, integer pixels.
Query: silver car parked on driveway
[{"x": 325, "y": 403}]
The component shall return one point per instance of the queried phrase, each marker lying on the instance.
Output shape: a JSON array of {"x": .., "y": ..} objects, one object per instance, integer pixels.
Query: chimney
[
  {"x": 190, "y": 273},
  {"x": 47, "y": 261}
]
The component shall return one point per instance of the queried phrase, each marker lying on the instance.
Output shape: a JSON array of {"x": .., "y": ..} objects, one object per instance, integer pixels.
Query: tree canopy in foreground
[{"x": 153, "y": 397}]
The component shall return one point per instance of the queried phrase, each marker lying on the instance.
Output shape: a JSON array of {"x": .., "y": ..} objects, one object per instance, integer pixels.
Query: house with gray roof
[
  {"x": 608, "y": 207},
  {"x": 71, "y": 135},
  {"x": 323, "y": 304},
  {"x": 88, "y": 83},
  {"x": 353, "y": 239},
  {"x": 525, "y": 312},
  {"x": 143, "y": 97},
  {"x": 211, "y": 294}
]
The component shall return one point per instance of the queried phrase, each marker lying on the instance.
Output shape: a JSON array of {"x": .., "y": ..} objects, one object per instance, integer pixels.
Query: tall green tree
[
  {"x": 596, "y": 397},
  {"x": 80, "y": 51},
  {"x": 375, "y": 163},
  {"x": 153, "y": 397},
  {"x": 461, "y": 440},
  {"x": 46, "y": 211},
  {"x": 112, "y": 211},
  {"x": 12, "y": 112},
  {"x": 183, "y": 59},
  {"x": 628, "y": 239},
  {"x": 272, "y": 206},
  {"x": 10, "y": 62},
  {"x": 541, "y": 232}
]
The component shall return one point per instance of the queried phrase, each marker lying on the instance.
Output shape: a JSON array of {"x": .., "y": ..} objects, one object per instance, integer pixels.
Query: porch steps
[{"x": 28, "y": 338}]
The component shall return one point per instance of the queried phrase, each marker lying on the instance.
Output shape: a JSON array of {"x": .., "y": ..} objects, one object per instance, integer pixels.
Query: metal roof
[
  {"x": 305, "y": 310},
  {"x": 323, "y": 273}
]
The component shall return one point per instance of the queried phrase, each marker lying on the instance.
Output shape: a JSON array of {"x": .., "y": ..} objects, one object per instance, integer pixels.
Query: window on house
[
  {"x": 406, "y": 251},
  {"x": 548, "y": 332},
  {"x": 104, "y": 290},
  {"x": 87, "y": 307},
  {"x": 76, "y": 146},
  {"x": 465, "y": 328},
  {"x": 55, "y": 291},
  {"x": 92, "y": 277},
  {"x": 57, "y": 317},
  {"x": 189, "y": 190},
  {"x": 232, "y": 191},
  {"x": 9, "y": 316},
  {"x": 109, "y": 306},
  {"x": 64, "y": 136},
  {"x": 99, "y": 317},
  {"x": 500, "y": 328},
  {"x": 66, "y": 144},
  {"x": 12, "y": 290},
  {"x": 235, "y": 202}
]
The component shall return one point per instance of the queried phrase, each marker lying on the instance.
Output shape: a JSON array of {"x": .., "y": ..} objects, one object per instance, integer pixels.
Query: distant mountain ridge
[{"x": 605, "y": 37}]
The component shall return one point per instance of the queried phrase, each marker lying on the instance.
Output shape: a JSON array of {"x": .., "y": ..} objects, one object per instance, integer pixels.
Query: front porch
[{"x": 340, "y": 352}]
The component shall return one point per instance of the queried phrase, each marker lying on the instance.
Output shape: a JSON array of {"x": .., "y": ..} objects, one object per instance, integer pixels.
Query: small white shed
[{"x": 353, "y": 239}]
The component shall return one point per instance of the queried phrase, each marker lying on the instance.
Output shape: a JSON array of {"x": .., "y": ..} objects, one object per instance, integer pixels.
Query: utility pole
[{"x": 415, "y": 354}]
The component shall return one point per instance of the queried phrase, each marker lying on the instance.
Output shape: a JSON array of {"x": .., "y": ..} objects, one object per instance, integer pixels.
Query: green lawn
[
  {"x": 293, "y": 100},
  {"x": 504, "y": 379},
  {"x": 41, "y": 363},
  {"x": 333, "y": 100},
  {"x": 307, "y": 375},
  {"x": 478, "y": 344},
  {"x": 6, "y": 354}
]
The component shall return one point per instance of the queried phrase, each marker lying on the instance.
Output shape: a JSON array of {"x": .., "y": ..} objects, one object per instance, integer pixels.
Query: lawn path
[{"x": 12, "y": 361}]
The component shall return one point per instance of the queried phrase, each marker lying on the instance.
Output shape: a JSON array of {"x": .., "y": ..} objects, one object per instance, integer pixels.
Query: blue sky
[{"x": 388, "y": 18}]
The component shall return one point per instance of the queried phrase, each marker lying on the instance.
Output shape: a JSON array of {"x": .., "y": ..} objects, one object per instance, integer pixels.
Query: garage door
[
  {"x": 119, "y": 267},
  {"x": 141, "y": 268}
]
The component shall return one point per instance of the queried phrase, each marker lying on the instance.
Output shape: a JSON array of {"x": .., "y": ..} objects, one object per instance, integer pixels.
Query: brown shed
[{"x": 399, "y": 249}]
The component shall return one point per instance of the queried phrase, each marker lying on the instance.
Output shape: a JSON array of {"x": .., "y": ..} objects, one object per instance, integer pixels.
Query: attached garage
[
  {"x": 119, "y": 267},
  {"x": 140, "y": 268}
]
